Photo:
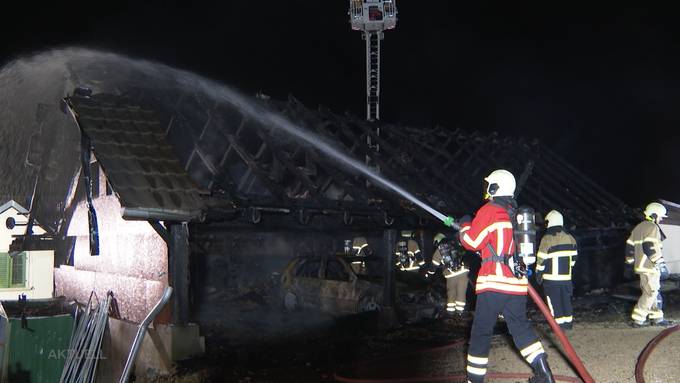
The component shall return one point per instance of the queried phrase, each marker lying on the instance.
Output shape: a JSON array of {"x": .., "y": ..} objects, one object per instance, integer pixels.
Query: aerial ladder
[{"x": 372, "y": 18}]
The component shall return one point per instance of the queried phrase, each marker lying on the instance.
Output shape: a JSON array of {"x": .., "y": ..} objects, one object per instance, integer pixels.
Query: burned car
[{"x": 328, "y": 284}]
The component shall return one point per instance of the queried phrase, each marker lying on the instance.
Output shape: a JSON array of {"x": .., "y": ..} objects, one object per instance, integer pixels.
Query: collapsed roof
[{"x": 149, "y": 141}]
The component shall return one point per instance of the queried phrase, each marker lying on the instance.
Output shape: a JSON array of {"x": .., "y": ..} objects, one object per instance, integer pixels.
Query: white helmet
[
  {"x": 438, "y": 238},
  {"x": 554, "y": 218},
  {"x": 656, "y": 209},
  {"x": 504, "y": 183}
]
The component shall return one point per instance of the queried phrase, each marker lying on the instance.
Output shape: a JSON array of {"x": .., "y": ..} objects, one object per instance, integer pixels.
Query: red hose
[
  {"x": 642, "y": 359},
  {"x": 571, "y": 353}
]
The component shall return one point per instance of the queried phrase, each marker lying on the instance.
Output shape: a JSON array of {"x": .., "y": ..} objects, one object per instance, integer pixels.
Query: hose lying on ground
[{"x": 644, "y": 355}]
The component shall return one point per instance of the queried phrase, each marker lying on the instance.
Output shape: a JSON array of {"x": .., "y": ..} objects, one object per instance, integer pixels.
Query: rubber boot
[
  {"x": 471, "y": 378},
  {"x": 542, "y": 373}
]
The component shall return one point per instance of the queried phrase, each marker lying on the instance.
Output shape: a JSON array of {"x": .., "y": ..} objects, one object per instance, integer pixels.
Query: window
[
  {"x": 12, "y": 270},
  {"x": 374, "y": 14},
  {"x": 335, "y": 271},
  {"x": 309, "y": 269}
]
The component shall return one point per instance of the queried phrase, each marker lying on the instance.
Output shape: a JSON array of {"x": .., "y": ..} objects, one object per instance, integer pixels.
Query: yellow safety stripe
[
  {"x": 644, "y": 270},
  {"x": 459, "y": 303},
  {"x": 500, "y": 286},
  {"x": 562, "y": 320},
  {"x": 530, "y": 358},
  {"x": 450, "y": 303},
  {"x": 557, "y": 254},
  {"x": 651, "y": 239},
  {"x": 630, "y": 242},
  {"x": 482, "y": 234},
  {"x": 476, "y": 370},
  {"x": 456, "y": 273},
  {"x": 639, "y": 315},
  {"x": 630, "y": 260},
  {"x": 477, "y": 360},
  {"x": 550, "y": 306},
  {"x": 531, "y": 348},
  {"x": 540, "y": 267},
  {"x": 557, "y": 277},
  {"x": 451, "y": 309},
  {"x": 435, "y": 263},
  {"x": 411, "y": 268},
  {"x": 502, "y": 279},
  {"x": 656, "y": 314},
  {"x": 640, "y": 268}
]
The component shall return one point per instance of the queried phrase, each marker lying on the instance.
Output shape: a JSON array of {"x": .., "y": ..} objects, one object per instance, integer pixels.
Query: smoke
[{"x": 46, "y": 77}]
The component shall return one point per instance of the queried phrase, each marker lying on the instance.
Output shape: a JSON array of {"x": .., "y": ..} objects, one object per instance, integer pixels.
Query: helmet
[
  {"x": 554, "y": 218},
  {"x": 438, "y": 238},
  {"x": 655, "y": 211},
  {"x": 500, "y": 183}
]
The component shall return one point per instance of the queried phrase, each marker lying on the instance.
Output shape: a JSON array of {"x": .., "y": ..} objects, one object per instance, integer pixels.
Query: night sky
[{"x": 601, "y": 86}]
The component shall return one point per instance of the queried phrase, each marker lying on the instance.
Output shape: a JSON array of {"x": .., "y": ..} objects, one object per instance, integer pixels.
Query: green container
[{"x": 36, "y": 354}]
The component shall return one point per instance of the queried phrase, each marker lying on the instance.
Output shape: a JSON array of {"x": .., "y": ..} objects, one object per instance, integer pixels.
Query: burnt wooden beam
[
  {"x": 178, "y": 272},
  {"x": 389, "y": 286}
]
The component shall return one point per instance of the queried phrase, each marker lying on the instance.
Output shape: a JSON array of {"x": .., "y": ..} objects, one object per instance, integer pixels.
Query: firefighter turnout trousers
[
  {"x": 513, "y": 308},
  {"x": 558, "y": 294},
  {"x": 647, "y": 304},
  {"x": 456, "y": 289}
]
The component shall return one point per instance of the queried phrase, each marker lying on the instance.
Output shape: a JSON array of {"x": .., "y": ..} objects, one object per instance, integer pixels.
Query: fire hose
[{"x": 642, "y": 359}]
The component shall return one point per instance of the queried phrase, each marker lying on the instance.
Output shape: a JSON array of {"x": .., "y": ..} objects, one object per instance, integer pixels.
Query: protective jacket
[
  {"x": 643, "y": 247},
  {"x": 556, "y": 254},
  {"x": 490, "y": 233},
  {"x": 360, "y": 248},
  {"x": 448, "y": 271},
  {"x": 413, "y": 254}
]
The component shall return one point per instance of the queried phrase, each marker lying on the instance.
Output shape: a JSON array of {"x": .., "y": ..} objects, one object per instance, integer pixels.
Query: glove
[
  {"x": 663, "y": 269},
  {"x": 529, "y": 260},
  {"x": 464, "y": 219},
  {"x": 539, "y": 277}
]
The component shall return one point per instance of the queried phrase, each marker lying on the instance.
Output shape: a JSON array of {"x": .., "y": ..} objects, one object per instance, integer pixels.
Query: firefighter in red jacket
[{"x": 498, "y": 290}]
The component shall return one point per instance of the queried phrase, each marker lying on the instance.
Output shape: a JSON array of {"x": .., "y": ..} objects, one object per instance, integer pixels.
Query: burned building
[
  {"x": 248, "y": 196},
  {"x": 149, "y": 176}
]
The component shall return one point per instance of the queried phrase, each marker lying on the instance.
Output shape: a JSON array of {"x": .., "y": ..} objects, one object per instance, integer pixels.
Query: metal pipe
[{"x": 141, "y": 331}]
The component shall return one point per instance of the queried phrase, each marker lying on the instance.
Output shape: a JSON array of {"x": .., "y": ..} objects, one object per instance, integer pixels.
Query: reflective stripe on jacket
[
  {"x": 491, "y": 227},
  {"x": 645, "y": 241},
  {"x": 415, "y": 261},
  {"x": 556, "y": 255},
  {"x": 447, "y": 271}
]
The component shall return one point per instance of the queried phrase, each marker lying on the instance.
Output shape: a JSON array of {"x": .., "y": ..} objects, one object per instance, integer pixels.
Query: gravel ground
[
  {"x": 602, "y": 337},
  {"x": 609, "y": 352}
]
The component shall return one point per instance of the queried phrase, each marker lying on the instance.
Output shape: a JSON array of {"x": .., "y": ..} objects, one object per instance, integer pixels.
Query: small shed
[{"x": 26, "y": 273}]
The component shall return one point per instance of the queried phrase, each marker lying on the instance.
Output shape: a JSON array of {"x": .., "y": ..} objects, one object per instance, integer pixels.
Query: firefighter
[
  {"x": 408, "y": 257},
  {"x": 498, "y": 289},
  {"x": 359, "y": 249},
  {"x": 643, "y": 250},
  {"x": 556, "y": 258},
  {"x": 454, "y": 270}
]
